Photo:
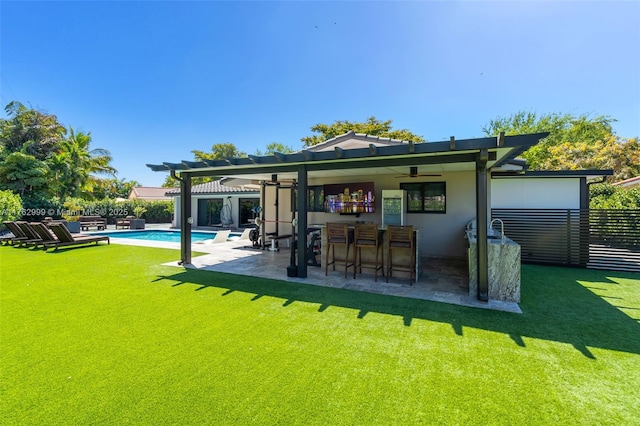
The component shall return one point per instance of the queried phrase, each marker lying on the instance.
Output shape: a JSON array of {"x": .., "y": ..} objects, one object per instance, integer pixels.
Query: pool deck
[{"x": 441, "y": 280}]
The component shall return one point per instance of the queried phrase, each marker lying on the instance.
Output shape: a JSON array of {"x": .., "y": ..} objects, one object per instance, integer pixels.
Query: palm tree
[{"x": 77, "y": 164}]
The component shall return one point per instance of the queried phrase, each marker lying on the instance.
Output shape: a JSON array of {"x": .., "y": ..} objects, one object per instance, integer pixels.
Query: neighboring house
[
  {"x": 216, "y": 205},
  {"x": 148, "y": 193},
  {"x": 628, "y": 183}
]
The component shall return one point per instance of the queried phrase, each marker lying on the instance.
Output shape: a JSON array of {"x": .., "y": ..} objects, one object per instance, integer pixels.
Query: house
[
  {"x": 217, "y": 205},
  {"x": 148, "y": 193},
  {"x": 449, "y": 184},
  {"x": 628, "y": 183}
]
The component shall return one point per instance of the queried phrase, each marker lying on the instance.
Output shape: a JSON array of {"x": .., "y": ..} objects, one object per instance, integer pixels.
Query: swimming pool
[{"x": 162, "y": 235}]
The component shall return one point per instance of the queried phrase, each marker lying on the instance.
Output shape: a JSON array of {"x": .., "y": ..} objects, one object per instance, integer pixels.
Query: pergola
[{"x": 480, "y": 154}]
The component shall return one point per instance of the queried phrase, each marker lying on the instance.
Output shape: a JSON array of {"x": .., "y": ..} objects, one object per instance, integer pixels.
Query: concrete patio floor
[{"x": 441, "y": 280}]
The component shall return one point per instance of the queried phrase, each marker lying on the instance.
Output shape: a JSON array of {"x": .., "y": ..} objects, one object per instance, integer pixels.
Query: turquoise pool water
[{"x": 161, "y": 235}]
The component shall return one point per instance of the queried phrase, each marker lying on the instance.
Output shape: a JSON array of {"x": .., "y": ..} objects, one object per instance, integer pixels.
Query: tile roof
[
  {"x": 352, "y": 140},
  {"x": 628, "y": 182},
  {"x": 148, "y": 193},
  {"x": 214, "y": 187}
]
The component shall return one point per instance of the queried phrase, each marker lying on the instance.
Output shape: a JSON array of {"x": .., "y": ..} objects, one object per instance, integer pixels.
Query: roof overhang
[
  {"x": 430, "y": 157},
  {"x": 553, "y": 174},
  {"x": 238, "y": 181}
]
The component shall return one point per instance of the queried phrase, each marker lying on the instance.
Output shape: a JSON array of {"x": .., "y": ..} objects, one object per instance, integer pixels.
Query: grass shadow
[{"x": 556, "y": 306}]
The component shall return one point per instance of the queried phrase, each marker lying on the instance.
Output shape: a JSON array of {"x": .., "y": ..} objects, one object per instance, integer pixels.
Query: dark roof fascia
[
  {"x": 194, "y": 164},
  {"x": 554, "y": 173},
  {"x": 358, "y": 154},
  {"x": 518, "y": 150},
  {"x": 232, "y": 171},
  {"x": 467, "y": 157},
  {"x": 511, "y": 156},
  {"x": 193, "y": 194},
  {"x": 518, "y": 162},
  {"x": 176, "y": 191}
]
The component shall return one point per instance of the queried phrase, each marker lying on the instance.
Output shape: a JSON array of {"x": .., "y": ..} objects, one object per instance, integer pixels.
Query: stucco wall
[
  {"x": 535, "y": 193},
  {"x": 235, "y": 206},
  {"x": 441, "y": 234},
  {"x": 284, "y": 209}
]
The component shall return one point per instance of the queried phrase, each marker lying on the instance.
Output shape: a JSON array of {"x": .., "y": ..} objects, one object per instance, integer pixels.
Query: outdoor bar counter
[{"x": 369, "y": 254}]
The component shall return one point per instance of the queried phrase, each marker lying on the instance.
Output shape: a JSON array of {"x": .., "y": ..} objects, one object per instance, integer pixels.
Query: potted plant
[
  {"x": 72, "y": 211},
  {"x": 138, "y": 222}
]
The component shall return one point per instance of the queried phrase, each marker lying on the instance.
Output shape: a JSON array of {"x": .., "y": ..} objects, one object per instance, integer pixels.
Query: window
[
  {"x": 209, "y": 211},
  {"x": 248, "y": 209},
  {"x": 315, "y": 200},
  {"x": 425, "y": 197}
]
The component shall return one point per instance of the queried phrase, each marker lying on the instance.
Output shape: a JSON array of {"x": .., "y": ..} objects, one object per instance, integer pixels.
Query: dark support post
[
  {"x": 185, "y": 218},
  {"x": 482, "y": 224},
  {"x": 292, "y": 269},
  {"x": 583, "y": 218},
  {"x": 277, "y": 204},
  {"x": 263, "y": 226},
  {"x": 302, "y": 221}
]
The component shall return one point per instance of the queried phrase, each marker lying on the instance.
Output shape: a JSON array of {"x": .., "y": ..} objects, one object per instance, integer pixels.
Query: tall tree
[
  {"x": 219, "y": 151},
  {"x": 624, "y": 158},
  {"x": 23, "y": 174},
  {"x": 275, "y": 147},
  {"x": 113, "y": 188},
  {"x": 619, "y": 154},
  {"x": 79, "y": 164},
  {"x": 564, "y": 129},
  {"x": 29, "y": 131},
  {"x": 39, "y": 160},
  {"x": 372, "y": 126}
]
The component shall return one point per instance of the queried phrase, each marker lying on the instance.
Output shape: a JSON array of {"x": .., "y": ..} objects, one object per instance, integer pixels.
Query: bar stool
[
  {"x": 367, "y": 236},
  {"x": 401, "y": 239},
  {"x": 338, "y": 234}
]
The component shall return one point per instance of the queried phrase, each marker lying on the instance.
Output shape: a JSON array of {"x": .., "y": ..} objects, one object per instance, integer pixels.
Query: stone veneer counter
[{"x": 504, "y": 268}]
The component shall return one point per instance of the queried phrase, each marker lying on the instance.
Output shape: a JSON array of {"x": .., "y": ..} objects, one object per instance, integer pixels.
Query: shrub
[
  {"x": 138, "y": 211},
  {"x": 10, "y": 206},
  {"x": 40, "y": 207},
  {"x": 606, "y": 196},
  {"x": 37, "y": 207},
  {"x": 73, "y": 209},
  {"x": 158, "y": 211}
]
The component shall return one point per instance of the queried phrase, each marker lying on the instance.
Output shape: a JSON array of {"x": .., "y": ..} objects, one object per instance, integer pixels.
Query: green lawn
[{"x": 106, "y": 335}]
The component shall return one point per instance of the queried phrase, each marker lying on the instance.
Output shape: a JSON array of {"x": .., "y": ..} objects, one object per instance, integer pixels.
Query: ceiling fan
[{"x": 413, "y": 172}]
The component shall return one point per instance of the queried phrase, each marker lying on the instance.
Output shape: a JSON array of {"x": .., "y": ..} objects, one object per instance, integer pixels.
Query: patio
[{"x": 441, "y": 280}]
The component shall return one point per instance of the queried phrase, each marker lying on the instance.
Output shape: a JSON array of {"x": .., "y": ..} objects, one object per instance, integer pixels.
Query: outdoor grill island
[{"x": 503, "y": 263}]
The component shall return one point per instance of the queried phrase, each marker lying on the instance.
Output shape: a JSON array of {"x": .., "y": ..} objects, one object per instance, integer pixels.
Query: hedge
[
  {"x": 156, "y": 211},
  {"x": 10, "y": 206}
]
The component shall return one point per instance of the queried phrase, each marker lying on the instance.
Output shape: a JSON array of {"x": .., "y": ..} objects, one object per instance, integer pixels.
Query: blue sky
[{"x": 154, "y": 80}]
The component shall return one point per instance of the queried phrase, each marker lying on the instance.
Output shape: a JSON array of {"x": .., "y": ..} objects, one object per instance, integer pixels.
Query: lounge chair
[
  {"x": 243, "y": 236},
  {"x": 221, "y": 236},
  {"x": 44, "y": 233},
  {"x": 66, "y": 239},
  {"x": 17, "y": 234},
  {"x": 32, "y": 236}
]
